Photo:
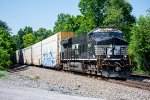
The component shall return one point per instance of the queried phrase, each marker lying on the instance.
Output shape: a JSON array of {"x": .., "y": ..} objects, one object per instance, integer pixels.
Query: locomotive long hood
[{"x": 114, "y": 41}]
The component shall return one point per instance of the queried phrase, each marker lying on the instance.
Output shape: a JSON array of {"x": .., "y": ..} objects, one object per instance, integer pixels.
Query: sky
[{"x": 43, "y": 13}]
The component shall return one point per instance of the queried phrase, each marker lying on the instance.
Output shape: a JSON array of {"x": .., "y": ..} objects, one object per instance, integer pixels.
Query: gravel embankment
[
  {"x": 74, "y": 84},
  {"x": 15, "y": 87}
]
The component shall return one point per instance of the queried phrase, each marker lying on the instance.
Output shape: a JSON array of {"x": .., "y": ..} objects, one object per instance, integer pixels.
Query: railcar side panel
[
  {"x": 36, "y": 53},
  {"x": 49, "y": 51},
  {"x": 17, "y": 56},
  {"x": 27, "y": 55},
  {"x": 20, "y": 56},
  {"x": 23, "y": 56}
]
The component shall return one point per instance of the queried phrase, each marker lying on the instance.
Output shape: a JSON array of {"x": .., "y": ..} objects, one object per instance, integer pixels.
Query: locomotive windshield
[{"x": 106, "y": 35}]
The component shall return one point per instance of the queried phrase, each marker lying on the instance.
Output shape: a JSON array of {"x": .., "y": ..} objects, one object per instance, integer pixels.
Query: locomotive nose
[{"x": 111, "y": 48}]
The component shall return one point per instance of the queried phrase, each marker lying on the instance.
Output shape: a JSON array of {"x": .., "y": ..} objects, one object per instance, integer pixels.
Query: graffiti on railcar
[{"x": 48, "y": 58}]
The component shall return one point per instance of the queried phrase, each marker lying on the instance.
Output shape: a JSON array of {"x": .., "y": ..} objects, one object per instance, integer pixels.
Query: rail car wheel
[
  {"x": 88, "y": 69},
  {"x": 96, "y": 72},
  {"x": 85, "y": 68},
  {"x": 64, "y": 66},
  {"x": 59, "y": 67},
  {"x": 68, "y": 65}
]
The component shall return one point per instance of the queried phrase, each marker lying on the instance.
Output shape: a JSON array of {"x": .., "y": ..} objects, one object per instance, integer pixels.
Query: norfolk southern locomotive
[{"x": 101, "y": 52}]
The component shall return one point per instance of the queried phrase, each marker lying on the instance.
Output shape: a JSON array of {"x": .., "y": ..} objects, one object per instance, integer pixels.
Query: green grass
[
  {"x": 2, "y": 74},
  {"x": 141, "y": 72},
  {"x": 37, "y": 77}
]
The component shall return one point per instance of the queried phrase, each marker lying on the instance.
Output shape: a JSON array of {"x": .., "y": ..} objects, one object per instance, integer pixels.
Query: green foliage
[
  {"x": 15, "y": 40},
  {"x": 4, "y": 58},
  {"x": 92, "y": 15},
  {"x": 6, "y": 41},
  {"x": 148, "y": 11},
  {"x": 139, "y": 71},
  {"x": 6, "y": 50},
  {"x": 93, "y": 10},
  {"x": 84, "y": 25},
  {"x": 118, "y": 15},
  {"x": 21, "y": 33},
  {"x": 62, "y": 23},
  {"x": 139, "y": 48},
  {"x": 4, "y": 26},
  {"x": 42, "y": 33},
  {"x": 68, "y": 23},
  {"x": 28, "y": 39}
]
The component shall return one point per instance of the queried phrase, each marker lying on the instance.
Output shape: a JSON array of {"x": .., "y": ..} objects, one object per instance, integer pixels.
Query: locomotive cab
[{"x": 111, "y": 53}]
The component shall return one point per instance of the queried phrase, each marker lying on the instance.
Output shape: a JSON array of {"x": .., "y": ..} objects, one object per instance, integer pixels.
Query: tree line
[
  {"x": 27, "y": 37},
  {"x": 94, "y": 14}
]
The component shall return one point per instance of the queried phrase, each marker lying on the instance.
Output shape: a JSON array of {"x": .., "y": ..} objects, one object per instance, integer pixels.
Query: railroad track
[
  {"x": 126, "y": 82},
  {"x": 132, "y": 83},
  {"x": 140, "y": 76}
]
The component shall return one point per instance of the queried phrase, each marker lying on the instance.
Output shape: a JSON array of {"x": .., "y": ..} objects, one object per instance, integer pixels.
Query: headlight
[
  {"x": 125, "y": 56},
  {"x": 108, "y": 56}
]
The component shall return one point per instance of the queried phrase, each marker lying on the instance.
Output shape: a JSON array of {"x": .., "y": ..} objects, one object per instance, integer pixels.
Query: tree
[
  {"x": 67, "y": 23},
  {"x": 4, "y": 58},
  {"x": 28, "y": 39},
  {"x": 93, "y": 11},
  {"x": 21, "y": 33},
  {"x": 106, "y": 13},
  {"x": 6, "y": 50},
  {"x": 42, "y": 33},
  {"x": 6, "y": 41},
  {"x": 48, "y": 34},
  {"x": 4, "y": 26},
  {"x": 139, "y": 47},
  {"x": 15, "y": 39},
  {"x": 61, "y": 23},
  {"x": 92, "y": 16},
  {"x": 118, "y": 15},
  {"x": 83, "y": 25}
]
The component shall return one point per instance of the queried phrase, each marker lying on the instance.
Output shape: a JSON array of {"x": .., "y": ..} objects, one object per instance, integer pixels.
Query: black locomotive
[{"x": 102, "y": 51}]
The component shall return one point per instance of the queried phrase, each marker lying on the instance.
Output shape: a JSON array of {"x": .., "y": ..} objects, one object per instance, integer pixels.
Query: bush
[
  {"x": 139, "y": 47},
  {"x": 4, "y": 59},
  {"x": 6, "y": 50}
]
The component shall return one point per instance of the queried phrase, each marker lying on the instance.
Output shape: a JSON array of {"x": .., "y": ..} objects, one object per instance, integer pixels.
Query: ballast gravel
[
  {"x": 71, "y": 84},
  {"x": 15, "y": 87}
]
